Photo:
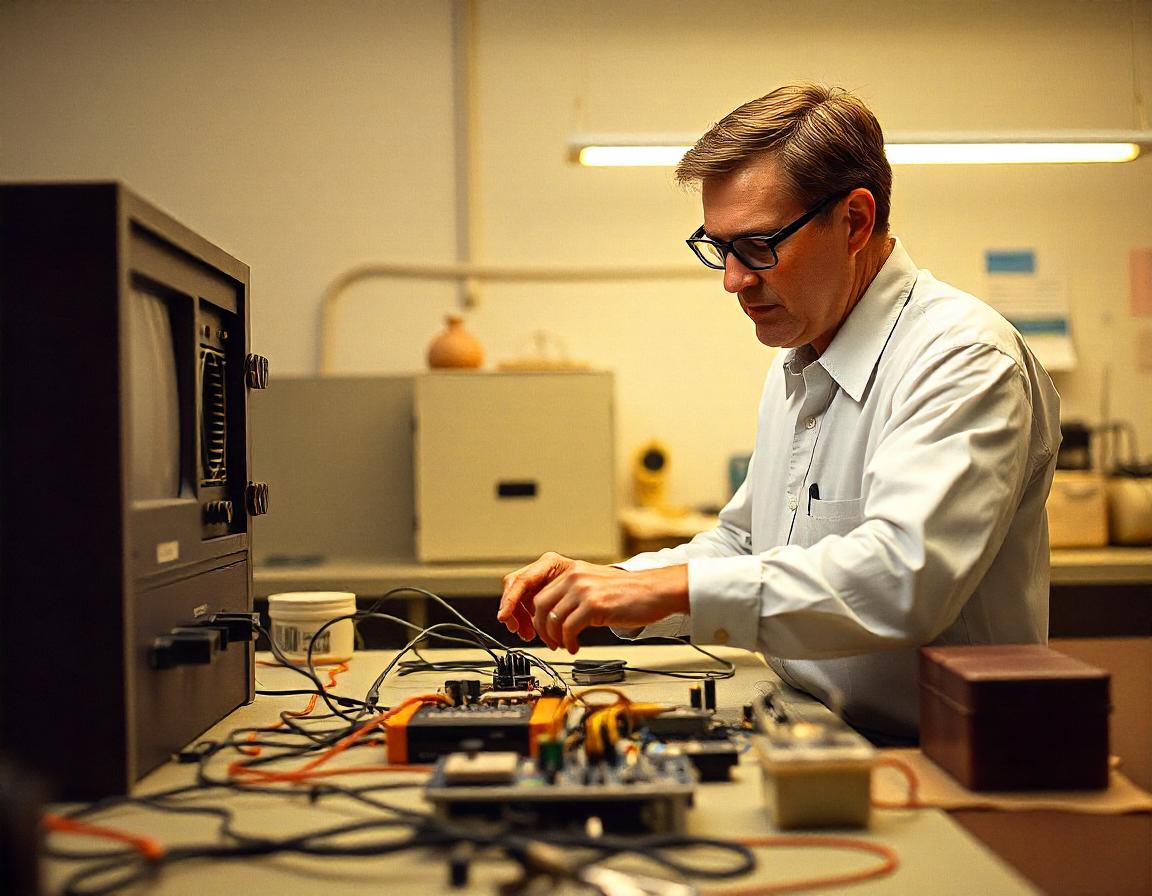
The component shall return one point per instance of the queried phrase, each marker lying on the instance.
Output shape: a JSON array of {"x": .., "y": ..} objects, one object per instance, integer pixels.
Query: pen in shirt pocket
[{"x": 813, "y": 495}]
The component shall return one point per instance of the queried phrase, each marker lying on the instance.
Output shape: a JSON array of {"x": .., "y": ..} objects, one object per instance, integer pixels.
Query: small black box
[{"x": 1014, "y": 717}]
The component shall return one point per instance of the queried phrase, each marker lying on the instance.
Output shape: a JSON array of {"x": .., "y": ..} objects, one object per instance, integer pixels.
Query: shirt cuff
[{"x": 724, "y": 598}]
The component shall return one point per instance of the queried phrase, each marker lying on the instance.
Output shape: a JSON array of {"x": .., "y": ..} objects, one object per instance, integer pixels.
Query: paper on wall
[{"x": 1034, "y": 301}]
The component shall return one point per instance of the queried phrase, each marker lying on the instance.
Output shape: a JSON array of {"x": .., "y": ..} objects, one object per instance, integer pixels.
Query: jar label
[{"x": 290, "y": 639}]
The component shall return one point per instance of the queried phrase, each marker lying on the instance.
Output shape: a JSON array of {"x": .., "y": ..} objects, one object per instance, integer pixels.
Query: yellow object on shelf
[
  {"x": 1078, "y": 510},
  {"x": 649, "y": 472}
]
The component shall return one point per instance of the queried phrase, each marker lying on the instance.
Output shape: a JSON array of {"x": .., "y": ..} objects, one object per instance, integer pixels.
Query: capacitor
[
  {"x": 694, "y": 697},
  {"x": 550, "y": 757},
  {"x": 710, "y": 694}
]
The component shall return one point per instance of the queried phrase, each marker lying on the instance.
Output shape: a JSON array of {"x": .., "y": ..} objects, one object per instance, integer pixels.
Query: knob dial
[
  {"x": 256, "y": 371},
  {"x": 256, "y": 497},
  {"x": 218, "y": 512}
]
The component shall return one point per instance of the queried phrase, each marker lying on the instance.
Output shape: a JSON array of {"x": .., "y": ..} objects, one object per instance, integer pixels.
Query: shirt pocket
[{"x": 824, "y": 518}]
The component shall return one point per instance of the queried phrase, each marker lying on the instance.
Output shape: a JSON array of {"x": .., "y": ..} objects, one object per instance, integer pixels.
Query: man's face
[{"x": 808, "y": 294}]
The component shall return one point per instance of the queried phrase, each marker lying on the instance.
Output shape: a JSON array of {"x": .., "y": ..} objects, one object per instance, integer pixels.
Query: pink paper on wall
[{"x": 1140, "y": 269}]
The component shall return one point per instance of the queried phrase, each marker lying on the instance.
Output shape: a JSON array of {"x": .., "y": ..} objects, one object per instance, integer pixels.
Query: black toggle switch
[
  {"x": 234, "y": 627},
  {"x": 185, "y": 647}
]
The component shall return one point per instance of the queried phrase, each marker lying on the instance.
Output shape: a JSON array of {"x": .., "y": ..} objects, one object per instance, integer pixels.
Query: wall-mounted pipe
[{"x": 468, "y": 275}]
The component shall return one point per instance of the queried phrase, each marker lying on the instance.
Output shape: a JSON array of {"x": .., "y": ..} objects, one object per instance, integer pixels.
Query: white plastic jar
[{"x": 297, "y": 616}]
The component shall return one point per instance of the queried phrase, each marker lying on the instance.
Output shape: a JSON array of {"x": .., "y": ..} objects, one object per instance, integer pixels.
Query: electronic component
[
  {"x": 598, "y": 671},
  {"x": 463, "y": 692},
  {"x": 423, "y": 733},
  {"x": 815, "y": 774},
  {"x": 680, "y": 722},
  {"x": 713, "y": 759},
  {"x": 480, "y": 768},
  {"x": 126, "y": 491},
  {"x": 643, "y": 792},
  {"x": 513, "y": 673}
]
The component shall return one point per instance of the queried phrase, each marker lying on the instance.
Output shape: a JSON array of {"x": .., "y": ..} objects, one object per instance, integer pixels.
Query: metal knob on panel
[
  {"x": 256, "y": 497},
  {"x": 256, "y": 371},
  {"x": 218, "y": 512}
]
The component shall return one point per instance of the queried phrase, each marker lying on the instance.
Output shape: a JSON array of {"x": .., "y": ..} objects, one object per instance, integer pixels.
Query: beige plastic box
[
  {"x": 509, "y": 465},
  {"x": 1078, "y": 510}
]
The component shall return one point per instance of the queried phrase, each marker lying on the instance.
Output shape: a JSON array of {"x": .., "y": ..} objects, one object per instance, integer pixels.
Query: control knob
[
  {"x": 256, "y": 372},
  {"x": 218, "y": 512},
  {"x": 256, "y": 498}
]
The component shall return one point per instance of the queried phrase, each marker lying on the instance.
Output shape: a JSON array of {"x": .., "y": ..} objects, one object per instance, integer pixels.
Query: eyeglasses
[{"x": 757, "y": 253}]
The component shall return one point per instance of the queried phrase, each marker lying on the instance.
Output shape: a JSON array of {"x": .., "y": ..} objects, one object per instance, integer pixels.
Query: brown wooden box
[{"x": 1014, "y": 717}]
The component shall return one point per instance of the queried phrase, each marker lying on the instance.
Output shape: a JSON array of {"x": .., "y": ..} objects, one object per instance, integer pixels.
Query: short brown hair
[{"x": 826, "y": 139}]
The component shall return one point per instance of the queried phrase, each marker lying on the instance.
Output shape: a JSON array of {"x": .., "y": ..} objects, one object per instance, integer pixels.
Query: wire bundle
[{"x": 296, "y": 759}]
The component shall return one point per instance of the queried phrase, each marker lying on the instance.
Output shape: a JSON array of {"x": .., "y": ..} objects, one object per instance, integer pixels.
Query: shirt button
[
  {"x": 720, "y": 636},
  {"x": 792, "y": 503},
  {"x": 810, "y": 423}
]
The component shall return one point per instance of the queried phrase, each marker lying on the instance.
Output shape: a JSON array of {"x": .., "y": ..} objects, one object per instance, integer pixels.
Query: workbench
[{"x": 935, "y": 855}]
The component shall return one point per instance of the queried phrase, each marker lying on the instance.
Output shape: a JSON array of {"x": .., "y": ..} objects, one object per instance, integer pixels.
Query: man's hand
[{"x": 557, "y": 598}]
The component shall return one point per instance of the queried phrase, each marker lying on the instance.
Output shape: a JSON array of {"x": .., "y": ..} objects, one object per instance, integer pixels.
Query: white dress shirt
[{"x": 895, "y": 498}]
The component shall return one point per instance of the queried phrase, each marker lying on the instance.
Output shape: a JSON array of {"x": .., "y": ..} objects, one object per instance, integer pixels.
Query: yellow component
[
  {"x": 601, "y": 725},
  {"x": 816, "y": 776},
  {"x": 649, "y": 471},
  {"x": 831, "y": 795},
  {"x": 545, "y": 715}
]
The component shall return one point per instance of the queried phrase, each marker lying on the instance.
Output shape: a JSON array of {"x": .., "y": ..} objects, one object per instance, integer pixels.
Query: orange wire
[
  {"x": 146, "y": 846},
  {"x": 305, "y": 771},
  {"x": 913, "y": 799},
  {"x": 889, "y": 864},
  {"x": 298, "y": 714}
]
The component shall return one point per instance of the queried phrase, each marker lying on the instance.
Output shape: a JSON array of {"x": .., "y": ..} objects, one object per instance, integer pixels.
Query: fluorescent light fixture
[
  {"x": 1037, "y": 148},
  {"x": 1024, "y": 148},
  {"x": 630, "y": 156}
]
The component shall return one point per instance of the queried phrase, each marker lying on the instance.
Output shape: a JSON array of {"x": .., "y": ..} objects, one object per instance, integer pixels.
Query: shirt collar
[{"x": 856, "y": 348}]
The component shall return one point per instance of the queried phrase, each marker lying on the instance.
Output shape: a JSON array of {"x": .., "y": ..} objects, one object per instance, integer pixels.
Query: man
[{"x": 905, "y": 448}]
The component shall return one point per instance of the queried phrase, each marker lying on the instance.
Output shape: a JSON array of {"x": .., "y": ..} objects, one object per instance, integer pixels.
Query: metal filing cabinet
[{"x": 509, "y": 465}]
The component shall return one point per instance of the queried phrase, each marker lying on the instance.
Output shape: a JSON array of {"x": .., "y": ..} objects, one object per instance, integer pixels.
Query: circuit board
[
  {"x": 422, "y": 734},
  {"x": 641, "y": 793}
]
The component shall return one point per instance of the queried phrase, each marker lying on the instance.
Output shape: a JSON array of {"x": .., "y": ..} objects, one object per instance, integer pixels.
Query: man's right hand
[
  {"x": 518, "y": 604},
  {"x": 557, "y": 598}
]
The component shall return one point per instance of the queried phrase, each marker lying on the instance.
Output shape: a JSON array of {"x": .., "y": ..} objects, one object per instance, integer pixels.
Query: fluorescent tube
[{"x": 943, "y": 148}]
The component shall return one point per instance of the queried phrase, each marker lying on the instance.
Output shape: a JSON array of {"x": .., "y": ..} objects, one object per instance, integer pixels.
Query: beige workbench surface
[{"x": 936, "y": 856}]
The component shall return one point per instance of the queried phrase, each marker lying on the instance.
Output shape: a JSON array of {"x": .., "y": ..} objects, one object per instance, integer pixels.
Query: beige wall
[{"x": 309, "y": 137}]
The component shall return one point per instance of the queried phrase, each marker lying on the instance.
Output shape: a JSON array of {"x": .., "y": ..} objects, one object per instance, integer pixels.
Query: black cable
[
  {"x": 372, "y": 697},
  {"x": 343, "y": 701},
  {"x": 309, "y": 673},
  {"x": 666, "y": 850},
  {"x": 119, "y": 868}
]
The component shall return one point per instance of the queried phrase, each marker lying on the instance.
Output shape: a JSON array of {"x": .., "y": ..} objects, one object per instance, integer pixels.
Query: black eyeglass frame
[{"x": 770, "y": 240}]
